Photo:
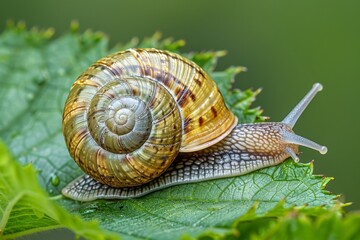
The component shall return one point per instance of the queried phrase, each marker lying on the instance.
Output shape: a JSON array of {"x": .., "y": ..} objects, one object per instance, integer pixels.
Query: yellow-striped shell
[{"x": 129, "y": 114}]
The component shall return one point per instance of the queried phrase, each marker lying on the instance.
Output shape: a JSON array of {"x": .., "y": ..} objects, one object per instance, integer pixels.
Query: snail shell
[
  {"x": 143, "y": 119},
  {"x": 129, "y": 114}
]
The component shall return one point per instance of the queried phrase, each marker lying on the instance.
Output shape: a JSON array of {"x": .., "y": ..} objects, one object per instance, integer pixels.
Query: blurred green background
[{"x": 286, "y": 46}]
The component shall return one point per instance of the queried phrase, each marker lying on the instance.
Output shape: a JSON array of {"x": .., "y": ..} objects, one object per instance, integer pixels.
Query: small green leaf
[
  {"x": 301, "y": 223},
  {"x": 292, "y": 223},
  {"x": 238, "y": 101},
  {"x": 206, "y": 60},
  {"x": 26, "y": 208}
]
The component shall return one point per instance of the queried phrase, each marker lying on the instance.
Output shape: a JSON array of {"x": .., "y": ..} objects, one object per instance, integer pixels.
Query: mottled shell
[{"x": 129, "y": 114}]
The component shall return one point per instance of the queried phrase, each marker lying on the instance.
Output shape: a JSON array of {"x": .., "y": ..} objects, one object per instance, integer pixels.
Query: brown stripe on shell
[
  {"x": 106, "y": 64},
  {"x": 201, "y": 121},
  {"x": 198, "y": 82},
  {"x": 185, "y": 94},
  {"x": 214, "y": 112}
]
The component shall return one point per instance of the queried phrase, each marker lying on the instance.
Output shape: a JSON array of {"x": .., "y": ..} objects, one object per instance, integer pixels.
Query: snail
[{"x": 144, "y": 119}]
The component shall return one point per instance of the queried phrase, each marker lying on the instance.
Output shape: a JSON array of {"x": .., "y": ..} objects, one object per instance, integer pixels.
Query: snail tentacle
[
  {"x": 291, "y": 119},
  {"x": 296, "y": 112}
]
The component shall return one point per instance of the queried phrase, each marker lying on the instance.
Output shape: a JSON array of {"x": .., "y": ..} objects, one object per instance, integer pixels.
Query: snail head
[{"x": 276, "y": 140}]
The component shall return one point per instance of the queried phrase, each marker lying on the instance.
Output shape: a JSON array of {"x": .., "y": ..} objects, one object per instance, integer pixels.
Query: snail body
[{"x": 144, "y": 119}]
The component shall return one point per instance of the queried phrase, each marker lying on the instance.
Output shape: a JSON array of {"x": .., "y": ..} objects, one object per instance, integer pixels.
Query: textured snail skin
[{"x": 247, "y": 148}]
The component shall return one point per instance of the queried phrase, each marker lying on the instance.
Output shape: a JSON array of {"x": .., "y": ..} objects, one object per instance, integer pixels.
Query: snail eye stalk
[
  {"x": 291, "y": 119},
  {"x": 294, "y": 115}
]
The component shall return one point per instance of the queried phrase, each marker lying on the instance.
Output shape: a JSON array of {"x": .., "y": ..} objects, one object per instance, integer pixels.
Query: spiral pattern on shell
[{"x": 129, "y": 114}]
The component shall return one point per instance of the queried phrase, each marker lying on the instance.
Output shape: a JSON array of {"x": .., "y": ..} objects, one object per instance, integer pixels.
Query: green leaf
[
  {"x": 300, "y": 224},
  {"x": 238, "y": 101},
  {"x": 292, "y": 223},
  {"x": 35, "y": 76},
  {"x": 211, "y": 205},
  {"x": 26, "y": 208}
]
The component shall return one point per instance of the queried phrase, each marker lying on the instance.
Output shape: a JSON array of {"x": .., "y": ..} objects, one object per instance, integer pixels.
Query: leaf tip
[
  {"x": 48, "y": 33},
  {"x": 74, "y": 26},
  {"x": 241, "y": 69},
  {"x": 181, "y": 42},
  {"x": 10, "y": 24},
  {"x": 220, "y": 53},
  {"x": 20, "y": 25}
]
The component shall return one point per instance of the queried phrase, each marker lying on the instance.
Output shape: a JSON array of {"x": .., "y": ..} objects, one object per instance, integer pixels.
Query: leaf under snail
[{"x": 144, "y": 119}]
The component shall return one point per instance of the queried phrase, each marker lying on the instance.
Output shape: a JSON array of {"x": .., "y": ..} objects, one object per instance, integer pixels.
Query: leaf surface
[
  {"x": 211, "y": 205},
  {"x": 26, "y": 208}
]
